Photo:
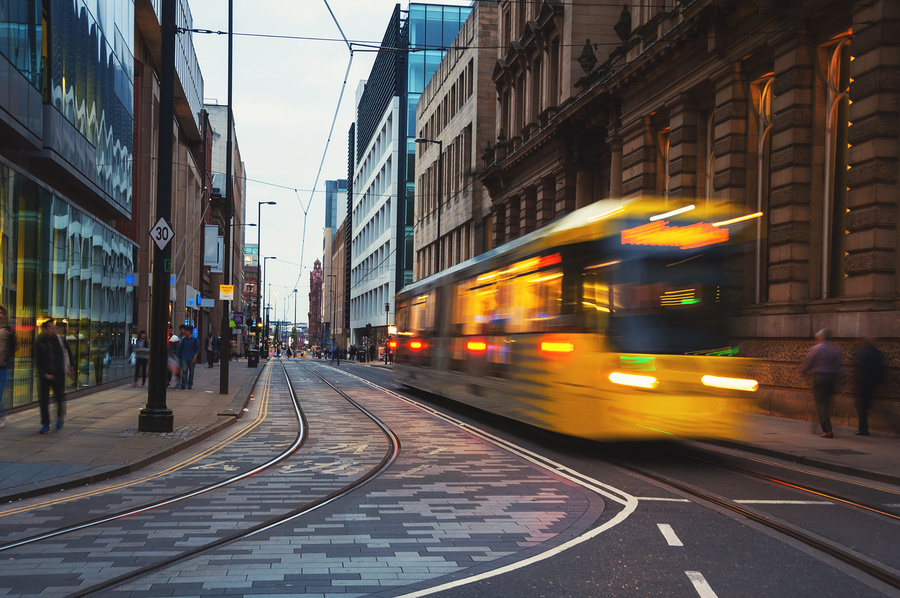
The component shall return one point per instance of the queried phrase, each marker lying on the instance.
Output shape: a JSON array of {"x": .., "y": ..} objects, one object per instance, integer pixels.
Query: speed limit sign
[{"x": 162, "y": 233}]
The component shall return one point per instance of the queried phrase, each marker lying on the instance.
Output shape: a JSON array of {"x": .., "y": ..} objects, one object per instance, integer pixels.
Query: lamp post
[
  {"x": 294, "y": 327},
  {"x": 331, "y": 299},
  {"x": 258, "y": 254},
  {"x": 439, "y": 258},
  {"x": 258, "y": 306}
]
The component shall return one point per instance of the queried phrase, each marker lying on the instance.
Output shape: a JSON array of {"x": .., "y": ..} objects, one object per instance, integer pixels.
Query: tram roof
[{"x": 599, "y": 219}]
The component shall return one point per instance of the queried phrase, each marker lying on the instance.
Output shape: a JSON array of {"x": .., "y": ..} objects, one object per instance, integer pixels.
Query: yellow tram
[{"x": 610, "y": 323}]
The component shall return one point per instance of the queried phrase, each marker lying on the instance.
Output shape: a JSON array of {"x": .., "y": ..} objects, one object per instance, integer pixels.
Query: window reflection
[{"x": 57, "y": 262}]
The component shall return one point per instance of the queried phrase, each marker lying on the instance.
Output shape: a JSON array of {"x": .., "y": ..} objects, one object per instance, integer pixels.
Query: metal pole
[
  {"x": 294, "y": 330},
  {"x": 440, "y": 199},
  {"x": 225, "y": 347},
  {"x": 156, "y": 417}
]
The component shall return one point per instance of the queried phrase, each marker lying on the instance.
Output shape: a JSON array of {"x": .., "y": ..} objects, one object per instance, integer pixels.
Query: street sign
[
  {"x": 162, "y": 233},
  {"x": 226, "y": 292}
]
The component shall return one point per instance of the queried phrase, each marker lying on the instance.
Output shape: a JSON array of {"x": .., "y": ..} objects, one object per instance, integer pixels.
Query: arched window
[
  {"x": 837, "y": 125},
  {"x": 763, "y": 95}
]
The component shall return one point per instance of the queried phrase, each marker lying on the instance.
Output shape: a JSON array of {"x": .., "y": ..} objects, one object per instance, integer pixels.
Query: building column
[
  {"x": 683, "y": 120},
  {"x": 639, "y": 159},
  {"x": 872, "y": 181},
  {"x": 565, "y": 192},
  {"x": 545, "y": 208},
  {"x": 615, "y": 169},
  {"x": 513, "y": 208},
  {"x": 527, "y": 215},
  {"x": 791, "y": 267}
]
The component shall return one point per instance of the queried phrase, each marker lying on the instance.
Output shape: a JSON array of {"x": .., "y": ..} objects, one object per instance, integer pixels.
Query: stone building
[
  {"x": 456, "y": 112},
  {"x": 789, "y": 108}
]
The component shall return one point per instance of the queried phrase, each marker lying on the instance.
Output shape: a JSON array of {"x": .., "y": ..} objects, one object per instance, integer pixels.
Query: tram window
[
  {"x": 595, "y": 300},
  {"x": 533, "y": 301},
  {"x": 421, "y": 314},
  {"x": 474, "y": 307}
]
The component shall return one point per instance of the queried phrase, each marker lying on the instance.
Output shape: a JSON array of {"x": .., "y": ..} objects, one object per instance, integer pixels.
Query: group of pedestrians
[
  {"x": 823, "y": 364},
  {"x": 184, "y": 350}
]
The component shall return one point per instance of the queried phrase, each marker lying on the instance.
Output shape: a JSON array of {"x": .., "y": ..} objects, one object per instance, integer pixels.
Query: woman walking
[{"x": 141, "y": 357}]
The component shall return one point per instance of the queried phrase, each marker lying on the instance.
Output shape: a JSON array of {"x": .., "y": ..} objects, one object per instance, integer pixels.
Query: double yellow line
[{"x": 260, "y": 417}]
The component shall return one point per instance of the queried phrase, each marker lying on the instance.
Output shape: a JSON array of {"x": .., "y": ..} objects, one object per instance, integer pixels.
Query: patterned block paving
[{"x": 451, "y": 504}]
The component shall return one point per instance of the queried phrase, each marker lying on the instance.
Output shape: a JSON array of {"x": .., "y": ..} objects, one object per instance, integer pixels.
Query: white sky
[{"x": 285, "y": 92}]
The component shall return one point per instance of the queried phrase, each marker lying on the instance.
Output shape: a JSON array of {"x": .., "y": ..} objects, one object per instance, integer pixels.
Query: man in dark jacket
[
  {"x": 53, "y": 361},
  {"x": 869, "y": 374},
  {"x": 187, "y": 351}
]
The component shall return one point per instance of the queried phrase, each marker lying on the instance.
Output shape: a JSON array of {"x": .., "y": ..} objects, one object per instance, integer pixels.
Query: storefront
[{"x": 57, "y": 261}]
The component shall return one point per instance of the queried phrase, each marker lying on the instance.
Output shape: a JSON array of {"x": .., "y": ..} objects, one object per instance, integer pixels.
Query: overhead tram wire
[{"x": 337, "y": 109}]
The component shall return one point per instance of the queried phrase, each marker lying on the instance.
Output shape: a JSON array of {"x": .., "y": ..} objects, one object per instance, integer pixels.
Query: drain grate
[{"x": 839, "y": 451}]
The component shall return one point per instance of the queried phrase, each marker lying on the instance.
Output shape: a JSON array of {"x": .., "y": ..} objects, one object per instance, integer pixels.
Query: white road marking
[
  {"x": 661, "y": 499},
  {"x": 784, "y": 502},
  {"x": 669, "y": 534},
  {"x": 700, "y": 584}
]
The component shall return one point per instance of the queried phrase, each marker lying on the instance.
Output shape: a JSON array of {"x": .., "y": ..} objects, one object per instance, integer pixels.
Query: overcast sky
[{"x": 285, "y": 93}]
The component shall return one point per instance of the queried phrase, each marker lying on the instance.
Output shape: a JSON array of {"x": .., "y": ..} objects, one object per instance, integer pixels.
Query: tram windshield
[{"x": 664, "y": 304}]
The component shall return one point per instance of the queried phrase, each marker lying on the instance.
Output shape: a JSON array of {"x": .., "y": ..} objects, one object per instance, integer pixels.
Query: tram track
[
  {"x": 854, "y": 559},
  {"x": 269, "y": 523},
  {"x": 388, "y": 458}
]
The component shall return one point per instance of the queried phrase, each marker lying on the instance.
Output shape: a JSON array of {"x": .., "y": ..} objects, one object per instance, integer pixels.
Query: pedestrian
[
  {"x": 210, "y": 349},
  {"x": 869, "y": 374},
  {"x": 173, "y": 368},
  {"x": 141, "y": 357},
  {"x": 187, "y": 352},
  {"x": 7, "y": 355},
  {"x": 53, "y": 361},
  {"x": 823, "y": 362}
]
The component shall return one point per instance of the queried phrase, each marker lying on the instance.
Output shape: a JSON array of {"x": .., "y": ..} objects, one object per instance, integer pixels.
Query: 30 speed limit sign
[{"x": 162, "y": 233}]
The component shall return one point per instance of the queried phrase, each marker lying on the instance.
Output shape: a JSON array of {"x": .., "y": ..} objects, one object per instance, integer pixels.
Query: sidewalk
[
  {"x": 100, "y": 438},
  {"x": 875, "y": 457}
]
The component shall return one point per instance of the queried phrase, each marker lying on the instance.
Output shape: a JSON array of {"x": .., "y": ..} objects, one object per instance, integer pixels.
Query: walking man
[
  {"x": 141, "y": 357},
  {"x": 53, "y": 363},
  {"x": 187, "y": 352},
  {"x": 869, "y": 374},
  {"x": 823, "y": 362}
]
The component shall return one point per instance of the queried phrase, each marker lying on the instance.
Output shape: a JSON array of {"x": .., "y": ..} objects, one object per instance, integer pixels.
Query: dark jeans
[
  {"x": 59, "y": 392},
  {"x": 823, "y": 393},
  {"x": 140, "y": 369},
  {"x": 863, "y": 403},
  {"x": 187, "y": 373}
]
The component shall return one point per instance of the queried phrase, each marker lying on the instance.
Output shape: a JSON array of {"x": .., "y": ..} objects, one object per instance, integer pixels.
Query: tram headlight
[
  {"x": 633, "y": 380},
  {"x": 730, "y": 383}
]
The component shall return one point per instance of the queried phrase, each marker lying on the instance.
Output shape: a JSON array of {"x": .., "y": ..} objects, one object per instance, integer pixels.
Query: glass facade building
[
  {"x": 57, "y": 261},
  {"x": 66, "y": 136},
  {"x": 89, "y": 79}
]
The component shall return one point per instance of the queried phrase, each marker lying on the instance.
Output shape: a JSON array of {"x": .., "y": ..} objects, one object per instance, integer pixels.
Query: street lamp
[
  {"x": 439, "y": 258},
  {"x": 258, "y": 306},
  {"x": 294, "y": 340},
  {"x": 331, "y": 299},
  {"x": 258, "y": 254}
]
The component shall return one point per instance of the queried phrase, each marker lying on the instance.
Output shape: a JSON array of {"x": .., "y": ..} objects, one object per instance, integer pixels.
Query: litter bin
[{"x": 252, "y": 358}]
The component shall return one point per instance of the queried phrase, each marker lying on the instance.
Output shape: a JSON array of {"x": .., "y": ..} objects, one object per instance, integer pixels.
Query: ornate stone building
[{"x": 789, "y": 108}]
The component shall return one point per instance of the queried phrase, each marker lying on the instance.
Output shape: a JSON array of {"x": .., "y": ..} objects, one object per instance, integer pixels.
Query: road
[{"x": 338, "y": 483}]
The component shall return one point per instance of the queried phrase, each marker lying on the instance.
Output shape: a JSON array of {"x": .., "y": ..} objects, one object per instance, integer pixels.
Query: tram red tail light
[
  {"x": 392, "y": 344},
  {"x": 415, "y": 345},
  {"x": 476, "y": 346}
]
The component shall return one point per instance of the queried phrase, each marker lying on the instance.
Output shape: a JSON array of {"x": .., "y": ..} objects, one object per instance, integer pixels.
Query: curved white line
[{"x": 629, "y": 502}]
